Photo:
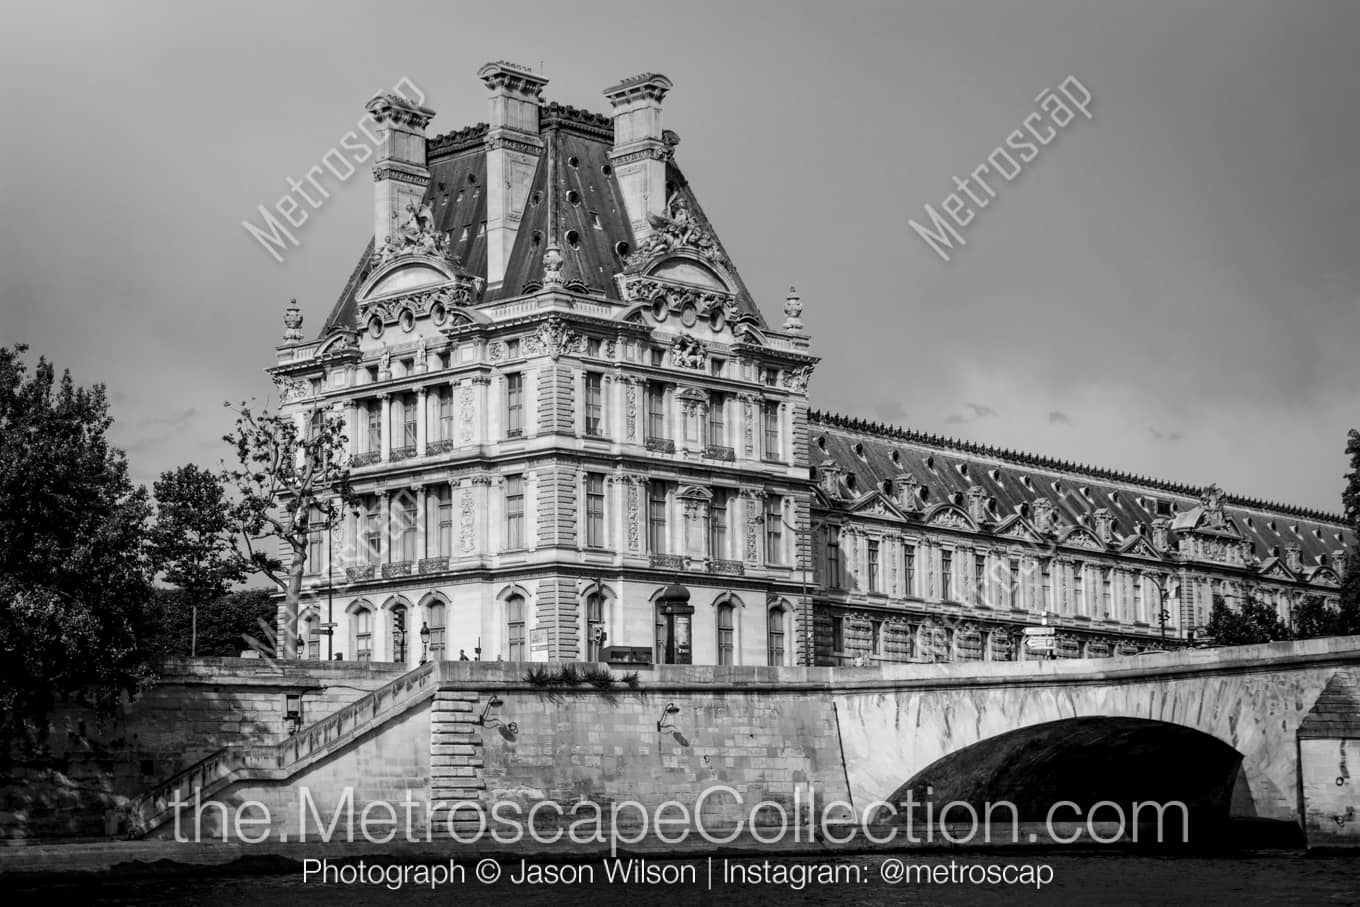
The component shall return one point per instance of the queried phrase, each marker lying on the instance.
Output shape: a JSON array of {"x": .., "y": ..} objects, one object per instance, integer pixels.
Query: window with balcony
[
  {"x": 444, "y": 429},
  {"x": 717, "y": 427},
  {"x": 717, "y": 523},
  {"x": 403, "y": 528},
  {"x": 439, "y": 532},
  {"x": 374, "y": 425},
  {"x": 372, "y": 530},
  {"x": 594, "y": 411},
  {"x": 656, "y": 517},
  {"x": 404, "y": 431},
  {"x": 514, "y": 512},
  {"x": 514, "y": 405},
  {"x": 594, "y": 510}
]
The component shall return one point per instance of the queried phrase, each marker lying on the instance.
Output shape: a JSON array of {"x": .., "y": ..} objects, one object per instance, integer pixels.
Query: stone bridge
[{"x": 1222, "y": 730}]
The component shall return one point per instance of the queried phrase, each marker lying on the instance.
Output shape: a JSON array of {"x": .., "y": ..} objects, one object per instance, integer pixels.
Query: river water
[{"x": 1265, "y": 877}]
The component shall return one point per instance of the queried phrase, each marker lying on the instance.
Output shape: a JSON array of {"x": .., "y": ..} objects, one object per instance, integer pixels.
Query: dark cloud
[
  {"x": 976, "y": 411},
  {"x": 1058, "y": 417}
]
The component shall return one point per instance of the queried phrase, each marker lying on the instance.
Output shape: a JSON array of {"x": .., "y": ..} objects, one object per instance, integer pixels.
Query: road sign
[
  {"x": 1041, "y": 644},
  {"x": 1038, "y": 631}
]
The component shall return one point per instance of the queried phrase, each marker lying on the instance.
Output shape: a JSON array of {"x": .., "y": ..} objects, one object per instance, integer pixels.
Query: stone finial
[
  {"x": 1293, "y": 558},
  {"x": 292, "y": 323},
  {"x": 793, "y": 309},
  {"x": 978, "y": 504},
  {"x": 552, "y": 265},
  {"x": 1104, "y": 522},
  {"x": 1044, "y": 516}
]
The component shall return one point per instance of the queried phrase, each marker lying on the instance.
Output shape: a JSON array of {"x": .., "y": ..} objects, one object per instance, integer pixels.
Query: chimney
[
  {"x": 512, "y": 152},
  {"x": 639, "y": 155},
  {"x": 399, "y": 174}
]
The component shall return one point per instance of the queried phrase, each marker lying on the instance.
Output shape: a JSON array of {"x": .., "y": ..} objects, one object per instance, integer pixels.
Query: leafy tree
[
  {"x": 222, "y": 623},
  {"x": 288, "y": 482},
  {"x": 191, "y": 544},
  {"x": 75, "y": 578},
  {"x": 1348, "y": 621},
  {"x": 1312, "y": 618},
  {"x": 1255, "y": 622}
]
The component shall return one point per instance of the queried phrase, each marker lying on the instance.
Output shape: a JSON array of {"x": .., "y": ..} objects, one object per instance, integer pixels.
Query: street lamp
[
  {"x": 1163, "y": 615},
  {"x": 805, "y": 563},
  {"x": 424, "y": 642}
]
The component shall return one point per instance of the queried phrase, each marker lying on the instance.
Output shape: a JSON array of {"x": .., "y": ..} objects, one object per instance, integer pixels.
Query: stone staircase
[{"x": 281, "y": 761}]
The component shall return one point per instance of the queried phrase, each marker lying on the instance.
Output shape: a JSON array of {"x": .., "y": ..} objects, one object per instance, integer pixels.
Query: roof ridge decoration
[
  {"x": 458, "y": 140},
  {"x": 679, "y": 228},
  {"x": 1021, "y": 458}
]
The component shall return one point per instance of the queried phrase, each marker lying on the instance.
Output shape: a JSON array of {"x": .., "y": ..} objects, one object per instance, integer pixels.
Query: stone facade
[{"x": 560, "y": 398}]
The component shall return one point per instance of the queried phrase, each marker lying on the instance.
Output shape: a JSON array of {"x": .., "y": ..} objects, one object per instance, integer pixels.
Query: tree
[
  {"x": 1348, "y": 621},
  {"x": 1312, "y": 618},
  {"x": 191, "y": 544},
  {"x": 223, "y": 623},
  {"x": 75, "y": 579},
  {"x": 288, "y": 483},
  {"x": 1256, "y": 622}
]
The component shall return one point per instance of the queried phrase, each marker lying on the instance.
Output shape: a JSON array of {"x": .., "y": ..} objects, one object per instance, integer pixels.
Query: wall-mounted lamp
[
  {"x": 664, "y": 723},
  {"x": 486, "y": 719},
  {"x": 292, "y": 712}
]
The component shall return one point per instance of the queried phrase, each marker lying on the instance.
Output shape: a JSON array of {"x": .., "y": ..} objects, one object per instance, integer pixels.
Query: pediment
[
  {"x": 1017, "y": 527},
  {"x": 1137, "y": 546},
  {"x": 1077, "y": 537},
  {"x": 949, "y": 516},
  {"x": 876, "y": 504},
  {"x": 1325, "y": 576},
  {"x": 1274, "y": 568},
  {"x": 689, "y": 271},
  {"x": 404, "y": 275}
]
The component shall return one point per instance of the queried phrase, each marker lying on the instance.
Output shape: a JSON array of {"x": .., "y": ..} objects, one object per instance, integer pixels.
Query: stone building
[{"x": 574, "y": 435}]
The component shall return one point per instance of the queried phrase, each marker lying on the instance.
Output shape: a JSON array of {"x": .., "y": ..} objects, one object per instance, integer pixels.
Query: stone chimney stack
[
  {"x": 639, "y": 155},
  {"x": 399, "y": 174},
  {"x": 513, "y": 148}
]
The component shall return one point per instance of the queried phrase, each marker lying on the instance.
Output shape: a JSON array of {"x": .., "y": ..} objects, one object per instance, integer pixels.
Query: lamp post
[
  {"x": 805, "y": 563},
  {"x": 424, "y": 642},
  {"x": 1163, "y": 615}
]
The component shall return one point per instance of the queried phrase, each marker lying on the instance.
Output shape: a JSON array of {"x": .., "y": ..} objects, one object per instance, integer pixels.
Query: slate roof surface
[
  {"x": 866, "y": 451},
  {"x": 589, "y": 208}
]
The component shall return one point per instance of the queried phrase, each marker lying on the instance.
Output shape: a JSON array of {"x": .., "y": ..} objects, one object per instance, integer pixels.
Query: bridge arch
[{"x": 1081, "y": 762}]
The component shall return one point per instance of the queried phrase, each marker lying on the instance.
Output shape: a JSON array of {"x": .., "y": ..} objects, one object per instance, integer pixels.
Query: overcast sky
[{"x": 1168, "y": 288}]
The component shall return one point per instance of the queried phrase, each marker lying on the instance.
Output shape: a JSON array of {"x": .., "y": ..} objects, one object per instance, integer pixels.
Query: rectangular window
[
  {"x": 594, "y": 510},
  {"x": 717, "y": 423},
  {"x": 514, "y": 512},
  {"x": 656, "y": 517},
  {"x": 656, "y": 411},
  {"x": 514, "y": 627},
  {"x": 1014, "y": 568},
  {"x": 1079, "y": 589},
  {"x": 717, "y": 524},
  {"x": 775, "y": 638},
  {"x": 372, "y": 530},
  {"x": 876, "y": 637},
  {"x": 774, "y": 529},
  {"x": 315, "y": 547},
  {"x": 1106, "y": 596},
  {"x": 947, "y": 575},
  {"x": 1139, "y": 613},
  {"x": 833, "y": 559},
  {"x": 408, "y": 421},
  {"x": 443, "y": 528},
  {"x": 980, "y": 578},
  {"x": 445, "y": 432},
  {"x": 715, "y": 366},
  {"x": 514, "y": 405},
  {"x": 725, "y": 634},
  {"x": 908, "y": 569},
  {"x": 837, "y": 635},
  {"x": 512, "y": 348},
  {"x": 594, "y": 404},
  {"x": 403, "y": 535},
  {"x": 593, "y": 347},
  {"x": 873, "y": 565},
  {"x": 770, "y": 416},
  {"x": 374, "y": 426}
]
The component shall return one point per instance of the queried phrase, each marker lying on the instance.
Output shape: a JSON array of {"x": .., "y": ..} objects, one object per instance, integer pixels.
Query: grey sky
[{"x": 1168, "y": 288}]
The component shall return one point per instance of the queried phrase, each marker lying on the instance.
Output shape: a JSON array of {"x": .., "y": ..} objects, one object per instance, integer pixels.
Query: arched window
[
  {"x": 595, "y": 630},
  {"x": 662, "y": 637},
  {"x": 361, "y": 627},
  {"x": 399, "y": 634},
  {"x": 514, "y": 628},
  {"x": 774, "y": 636},
  {"x": 435, "y": 621},
  {"x": 725, "y": 646}
]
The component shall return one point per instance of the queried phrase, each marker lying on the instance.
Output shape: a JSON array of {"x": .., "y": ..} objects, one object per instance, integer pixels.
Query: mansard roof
[
  {"x": 872, "y": 454},
  {"x": 589, "y": 204}
]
